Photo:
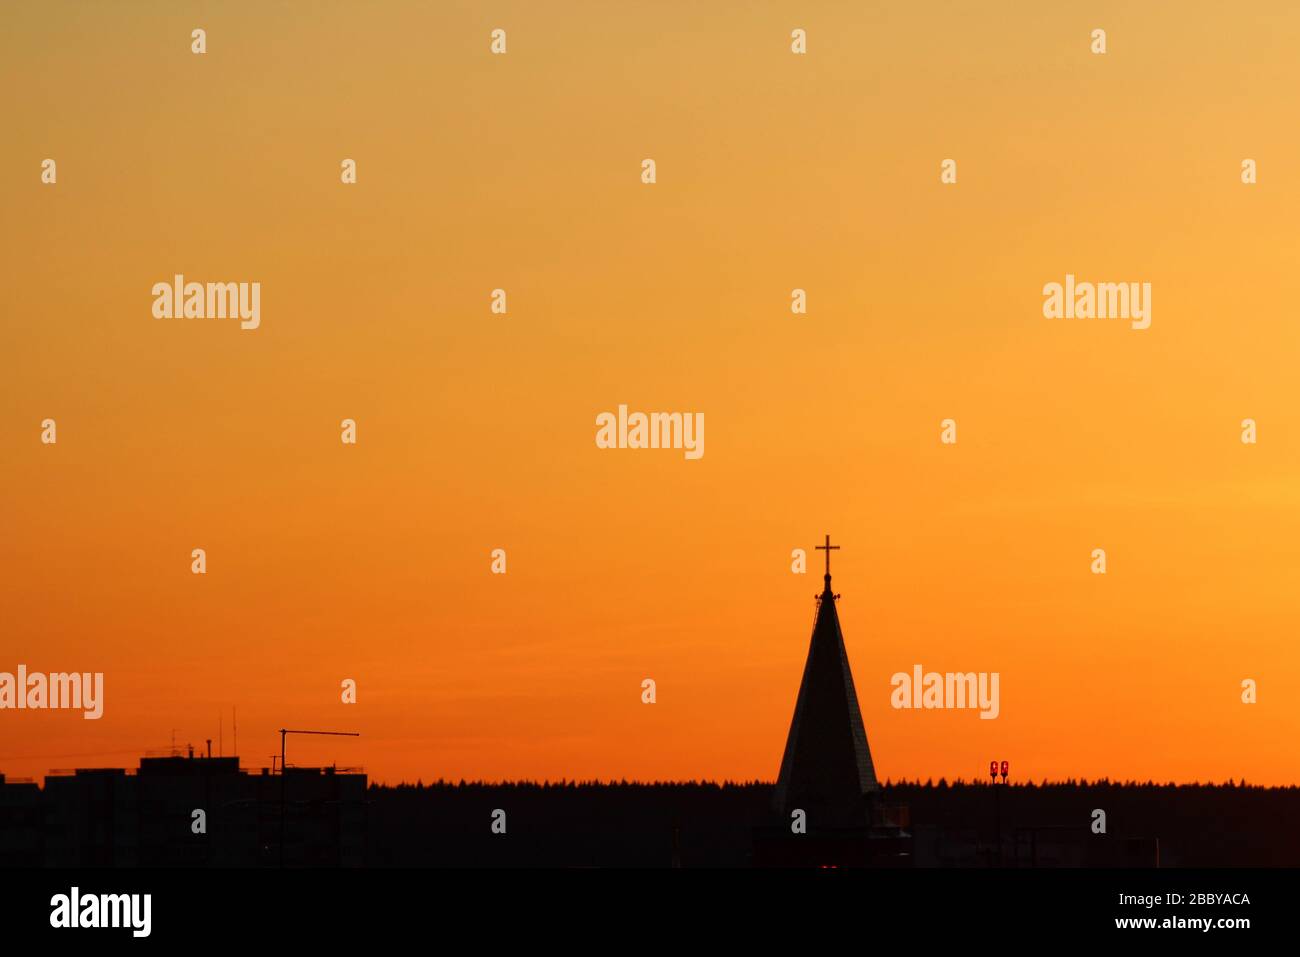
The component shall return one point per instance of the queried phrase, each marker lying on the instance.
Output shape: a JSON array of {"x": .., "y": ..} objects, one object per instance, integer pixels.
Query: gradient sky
[{"x": 477, "y": 431}]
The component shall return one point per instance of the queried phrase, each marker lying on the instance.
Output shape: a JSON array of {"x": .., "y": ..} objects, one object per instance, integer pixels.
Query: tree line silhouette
[{"x": 702, "y": 823}]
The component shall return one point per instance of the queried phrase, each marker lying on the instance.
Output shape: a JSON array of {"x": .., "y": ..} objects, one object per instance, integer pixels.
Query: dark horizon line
[
  {"x": 444, "y": 782},
  {"x": 888, "y": 783}
]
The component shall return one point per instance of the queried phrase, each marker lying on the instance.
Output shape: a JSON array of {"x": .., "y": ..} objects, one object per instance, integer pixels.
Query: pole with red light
[{"x": 994, "y": 767}]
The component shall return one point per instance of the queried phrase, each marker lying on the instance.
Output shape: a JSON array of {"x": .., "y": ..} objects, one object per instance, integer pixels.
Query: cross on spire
[{"x": 828, "y": 548}]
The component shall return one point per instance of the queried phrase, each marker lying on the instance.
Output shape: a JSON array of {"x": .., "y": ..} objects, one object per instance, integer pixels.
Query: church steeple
[{"x": 826, "y": 769}]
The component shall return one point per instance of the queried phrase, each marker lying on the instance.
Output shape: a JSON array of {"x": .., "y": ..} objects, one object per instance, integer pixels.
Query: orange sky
[{"x": 476, "y": 431}]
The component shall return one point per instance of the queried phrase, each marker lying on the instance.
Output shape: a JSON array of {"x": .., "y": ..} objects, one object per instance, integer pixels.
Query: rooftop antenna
[
  {"x": 220, "y": 748},
  {"x": 209, "y": 749},
  {"x": 284, "y": 732},
  {"x": 234, "y": 720}
]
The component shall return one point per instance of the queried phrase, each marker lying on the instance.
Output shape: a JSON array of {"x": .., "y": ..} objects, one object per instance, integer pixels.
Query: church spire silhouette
[{"x": 826, "y": 769}]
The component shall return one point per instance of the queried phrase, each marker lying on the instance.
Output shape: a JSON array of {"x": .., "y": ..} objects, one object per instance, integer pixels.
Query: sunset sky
[{"x": 476, "y": 431}]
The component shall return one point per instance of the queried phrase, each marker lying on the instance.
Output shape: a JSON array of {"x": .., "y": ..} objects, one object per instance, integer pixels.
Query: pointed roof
[{"x": 827, "y": 769}]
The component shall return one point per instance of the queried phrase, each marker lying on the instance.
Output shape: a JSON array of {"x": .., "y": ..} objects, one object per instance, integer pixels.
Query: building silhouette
[
  {"x": 827, "y": 798},
  {"x": 826, "y": 769},
  {"x": 22, "y": 816},
  {"x": 115, "y": 817}
]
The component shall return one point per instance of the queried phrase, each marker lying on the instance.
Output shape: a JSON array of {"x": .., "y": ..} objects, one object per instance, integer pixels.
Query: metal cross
[{"x": 827, "y": 548}]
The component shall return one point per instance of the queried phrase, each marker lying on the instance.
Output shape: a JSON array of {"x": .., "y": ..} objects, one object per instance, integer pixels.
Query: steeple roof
[{"x": 827, "y": 769}]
